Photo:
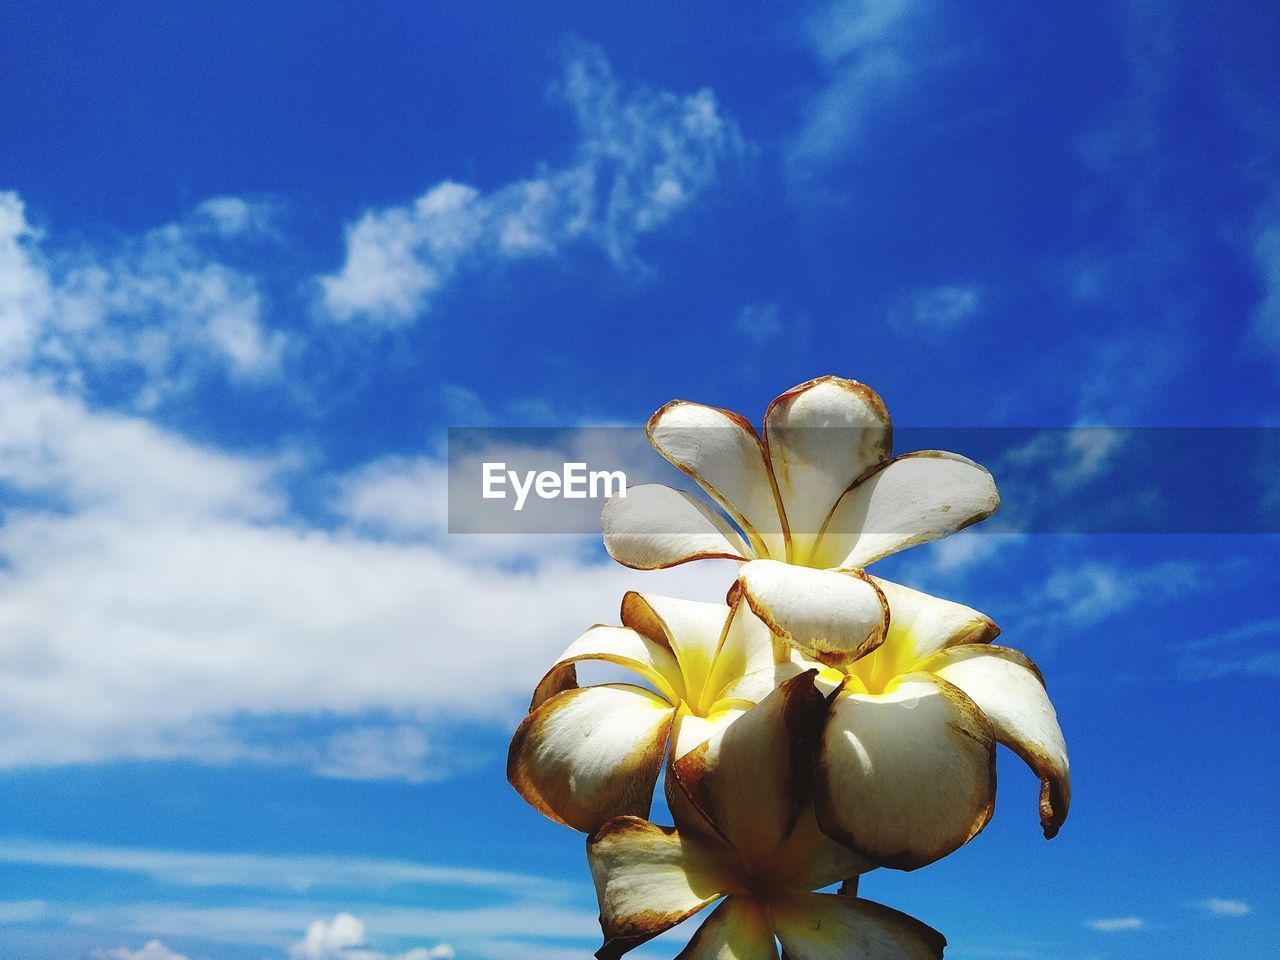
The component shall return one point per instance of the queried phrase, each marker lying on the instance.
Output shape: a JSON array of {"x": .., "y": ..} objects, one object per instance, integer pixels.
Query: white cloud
[
  {"x": 159, "y": 307},
  {"x": 343, "y": 938},
  {"x": 1225, "y": 908},
  {"x": 938, "y": 309},
  {"x": 151, "y": 950},
  {"x": 642, "y": 156},
  {"x": 868, "y": 49},
  {"x": 760, "y": 322},
  {"x": 1116, "y": 924}
]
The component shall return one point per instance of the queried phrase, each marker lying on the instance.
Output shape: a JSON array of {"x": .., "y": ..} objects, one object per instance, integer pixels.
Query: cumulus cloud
[
  {"x": 642, "y": 157},
  {"x": 159, "y": 308},
  {"x": 343, "y": 938},
  {"x": 1116, "y": 924}
]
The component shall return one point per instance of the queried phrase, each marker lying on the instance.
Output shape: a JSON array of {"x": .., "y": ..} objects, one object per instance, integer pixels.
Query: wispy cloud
[
  {"x": 1247, "y": 649},
  {"x": 1225, "y": 908},
  {"x": 1116, "y": 924},
  {"x": 1266, "y": 255},
  {"x": 151, "y": 950},
  {"x": 938, "y": 310},
  {"x": 642, "y": 157}
]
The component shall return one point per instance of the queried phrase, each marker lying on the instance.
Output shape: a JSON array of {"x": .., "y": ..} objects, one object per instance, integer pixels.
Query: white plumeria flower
[
  {"x": 585, "y": 754},
  {"x": 906, "y": 766},
  {"x": 817, "y": 500},
  {"x": 746, "y": 836}
]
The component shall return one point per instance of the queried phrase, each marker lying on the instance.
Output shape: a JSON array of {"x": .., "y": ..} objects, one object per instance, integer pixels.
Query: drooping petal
[
  {"x": 833, "y": 617},
  {"x": 748, "y": 779},
  {"x": 654, "y": 527},
  {"x": 919, "y": 626},
  {"x": 912, "y": 499},
  {"x": 825, "y": 926},
  {"x": 738, "y": 929},
  {"x": 691, "y": 628},
  {"x": 623, "y": 646},
  {"x": 649, "y": 878},
  {"x": 821, "y": 436},
  {"x": 722, "y": 452},
  {"x": 1008, "y": 688},
  {"x": 589, "y": 754},
  {"x": 908, "y": 776},
  {"x": 742, "y": 667},
  {"x": 810, "y": 860}
]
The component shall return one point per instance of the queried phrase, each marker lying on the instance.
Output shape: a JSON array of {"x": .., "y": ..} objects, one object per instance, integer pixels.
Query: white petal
[
  {"x": 818, "y": 926},
  {"x": 648, "y": 879},
  {"x": 908, "y": 776},
  {"x": 654, "y": 527},
  {"x": 919, "y": 626},
  {"x": 810, "y": 860},
  {"x": 743, "y": 665},
  {"x": 738, "y": 929},
  {"x": 625, "y": 647},
  {"x": 721, "y": 451},
  {"x": 748, "y": 779},
  {"x": 690, "y": 628},
  {"x": 1008, "y": 688},
  {"x": 589, "y": 754},
  {"x": 833, "y": 617},
  {"x": 821, "y": 437},
  {"x": 913, "y": 499}
]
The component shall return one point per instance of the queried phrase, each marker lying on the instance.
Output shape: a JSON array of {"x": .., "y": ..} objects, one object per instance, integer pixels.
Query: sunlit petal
[
  {"x": 690, "y": 628},
  {"x": 589, "y": 754},
  {"x": 738, "y": 929},
  {"x": 722, "y": 452},
  {"x": 908, "y": 776},
  {"x": 648, "y": 879},
  {"x": 743, "y": 663},
  {"x": 913, "y": 499},
  {"x": 824, "y": 926},
  {"x": 654, "y": 527},
  {"x": 1008, "y": 688},
  {"x": 821, "y": 436},
  {"x": 623, "y": 646}
]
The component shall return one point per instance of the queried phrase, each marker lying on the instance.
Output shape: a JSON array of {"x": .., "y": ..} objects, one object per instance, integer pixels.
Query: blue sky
[{"x": 256, "y": 259}]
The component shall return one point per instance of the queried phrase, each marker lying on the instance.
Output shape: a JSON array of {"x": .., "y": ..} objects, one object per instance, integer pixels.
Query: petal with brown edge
[
  {"x": 912, "y": 499},
  {"x": 919, "y": 626},
  {"x": 748, "y": 779},
  {"x": 691, "y": 628},
  {"x": 592, "y": 753},
  {"x": 654, "y": 527},
  {"x": 1008, "y": 688},
  {"x": 649, "y": 878},
  {"x": 826, "y": 926},
  {"x": 721, "y": 451},
  {"x": 738, "y": 929},
  {"x": 907, "y": 776},
  {"x": 833, "y": 617},
  {"x": 822, "y": 436},
  {"x": 628, "y": 648}
]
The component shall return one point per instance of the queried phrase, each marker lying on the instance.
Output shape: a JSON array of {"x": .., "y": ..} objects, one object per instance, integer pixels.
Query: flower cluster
[{"x": 820, "y": 723}]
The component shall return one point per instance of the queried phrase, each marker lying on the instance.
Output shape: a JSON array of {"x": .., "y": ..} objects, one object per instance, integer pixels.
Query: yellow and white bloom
[
  {"x": 906, "y": 766},
  {"x": 585, "y": 754},
  {"x": 747, "y": 837}
]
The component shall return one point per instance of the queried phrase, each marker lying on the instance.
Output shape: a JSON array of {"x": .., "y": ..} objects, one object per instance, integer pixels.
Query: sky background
[{"x": 255, "y": 259}]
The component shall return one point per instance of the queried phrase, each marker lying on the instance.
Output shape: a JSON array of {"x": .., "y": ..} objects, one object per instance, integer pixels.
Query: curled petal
[
  {"x": 912, "y": 499},
  {"x": 821, "y": 437},
  {"x": 738, "y": 929},
  {"x": 908, "y": 776},
  {"x": 747, "y": 780},
  {"x": 919, "y": 626},
  {"x": 1008, "y": 688},
  {"x": 720, "y": 450},
  {"x": 589, "y": 754},
  {"x": 648, "y": 879},
  {"x": 620, "y": 645},
  {"x": 654, "y": 527},
  {"x": 824, "y": 926},
  {"x": 833, "y": 617},
  {"x": 690, "y": 628}
]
